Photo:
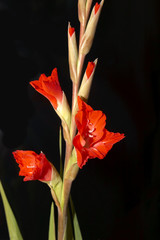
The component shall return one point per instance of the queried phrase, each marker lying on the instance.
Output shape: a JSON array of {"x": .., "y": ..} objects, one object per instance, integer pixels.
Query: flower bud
[
  {"x": 88, "y": 7},
  {"x": 72, "y": 52},
  {"x": 88, "y": 36},
  {"x": 82, "y": 11},
  {"x": 87, "y": 80}
]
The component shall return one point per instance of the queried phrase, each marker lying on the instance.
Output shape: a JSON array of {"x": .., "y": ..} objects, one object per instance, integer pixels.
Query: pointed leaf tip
[
  {"x": 13, "y": 229},
  {"x": 52, "y": 235},
  {"x": 77, "y": 231}
]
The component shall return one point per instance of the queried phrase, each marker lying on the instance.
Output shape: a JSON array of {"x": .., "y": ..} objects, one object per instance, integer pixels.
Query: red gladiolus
[
  {"x": 49, "y": 87},
  {"x": 33, "y": 166},
  {"x": 93, "y": 139}
]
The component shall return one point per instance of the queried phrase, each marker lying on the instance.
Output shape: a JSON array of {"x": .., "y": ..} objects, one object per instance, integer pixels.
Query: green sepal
[
  {"x": 72, "y": 167},
  {"x": 56, "y": 184},
  {"x": 13, "y": 229},
  {"x": 52, "y": 234}
]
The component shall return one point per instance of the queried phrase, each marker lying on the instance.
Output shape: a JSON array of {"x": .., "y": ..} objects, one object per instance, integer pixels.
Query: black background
[{"x": 115, "y": 198}]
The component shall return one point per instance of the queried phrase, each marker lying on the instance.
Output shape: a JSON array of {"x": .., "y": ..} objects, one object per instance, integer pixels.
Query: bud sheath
[
  {"x": 88, "y": 36},
  {"x": 72, "y": 53},
  {"x": 87, "y": 80}
]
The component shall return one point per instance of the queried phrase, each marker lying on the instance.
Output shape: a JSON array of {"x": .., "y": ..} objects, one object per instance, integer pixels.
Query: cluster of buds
[{"x": 92, "y": 140}]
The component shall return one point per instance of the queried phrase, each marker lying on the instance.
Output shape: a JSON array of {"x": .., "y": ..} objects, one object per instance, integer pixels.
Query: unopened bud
[
  {"x": 72, "y": 53},
  {"x": 88, "y": 36},
  {"x": 87, "y": 80},
  {"x": 82, "y": 11},
  {"x": 88, "y": 7}
]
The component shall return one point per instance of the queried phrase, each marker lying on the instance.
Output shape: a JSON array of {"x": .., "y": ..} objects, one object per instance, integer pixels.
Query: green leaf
[
  {"x": 69, "y": 230},
  {"x": 52, "y": 234},
  {"x": 77, "y": 231},
  {"x": 60, "y": 152},
  {"x": 13, "y": 229}
]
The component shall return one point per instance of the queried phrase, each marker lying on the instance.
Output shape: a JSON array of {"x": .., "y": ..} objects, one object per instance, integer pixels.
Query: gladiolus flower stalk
[
  {"x": 67, "y": 182},
  {"x": 92, "y": 140}
]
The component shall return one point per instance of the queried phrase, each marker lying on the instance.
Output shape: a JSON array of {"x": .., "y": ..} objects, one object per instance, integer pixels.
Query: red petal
[
  {"x": 46, "y": 169},
  {"x": 49, "y": 87},
  {"x": 33, "y": 166},
  {"x": 112, "y": 138},
  {"x": 81, "y": 116},
  {"x": 52, "y": 87},
  {"x": 54, "y": 76},
  {"x": 102, "y": 147},
  {"x": 82, "y": 156},
  {"x": 90, "y": 68},
  {"x": 97, "y": 121},
  {"x": 97, "y": 6},
  {"x": 71, "y": 31},
  {"x": 37, "y": 85},
  {"x": 99, "y": 150},
  {"x": 83, "y": 106}
]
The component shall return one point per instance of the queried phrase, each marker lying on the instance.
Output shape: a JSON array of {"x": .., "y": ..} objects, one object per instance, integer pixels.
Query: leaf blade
[
  {"x": 77, "y": 231},
  {"x": 13, "y": 229},
  {"x": 60, "y": 152},
  {"x": 52, "y": 234}
]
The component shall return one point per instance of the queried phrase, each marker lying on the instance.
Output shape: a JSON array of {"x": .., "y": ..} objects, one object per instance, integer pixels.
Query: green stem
[
  {"x": 62, "y": 215},
  {"x": 67, "y": 183}
]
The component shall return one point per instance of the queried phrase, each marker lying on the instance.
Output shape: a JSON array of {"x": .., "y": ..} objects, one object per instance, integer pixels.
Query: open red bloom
[
  {"x": 49, "y": 87},
  {"x": 33, "y": 166},
  {"x": 93, "y": 139}
]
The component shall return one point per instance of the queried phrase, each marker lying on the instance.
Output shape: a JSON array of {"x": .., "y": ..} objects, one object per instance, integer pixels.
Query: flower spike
[{"x": 93, "y": 139}]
